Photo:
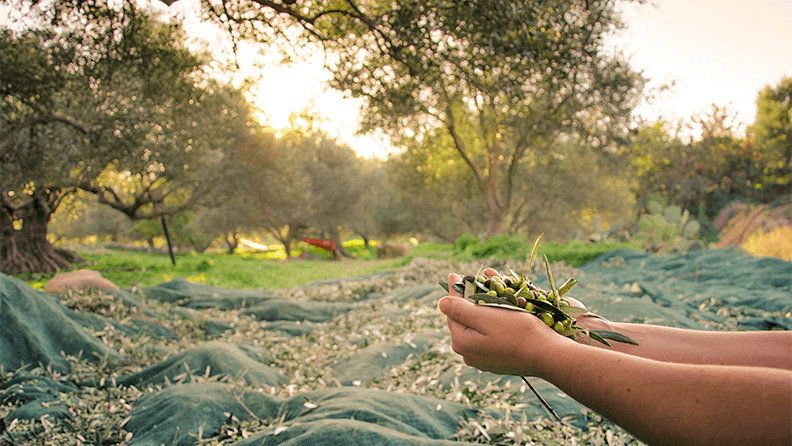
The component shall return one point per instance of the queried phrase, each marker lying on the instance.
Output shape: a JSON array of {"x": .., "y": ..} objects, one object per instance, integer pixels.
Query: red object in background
[{"x": 327, "y": 245}]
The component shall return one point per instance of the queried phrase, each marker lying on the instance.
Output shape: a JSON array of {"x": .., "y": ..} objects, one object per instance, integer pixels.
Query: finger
[
  {"x": 468, "y": 314},
  {"x": 465, "y": 340},
  {"x": 574, "y": 302},
  {"x": 490, "y": 272},
  {"x": 452, "y": 279}
]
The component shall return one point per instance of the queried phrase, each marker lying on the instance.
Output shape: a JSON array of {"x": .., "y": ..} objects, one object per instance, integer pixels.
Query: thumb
[
  {"x": 444, "y": 305},
  {"x": 458, "y": 310}
]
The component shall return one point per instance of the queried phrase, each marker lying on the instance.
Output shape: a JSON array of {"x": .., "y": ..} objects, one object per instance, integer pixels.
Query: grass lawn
[{"x": 270, "y": 270}]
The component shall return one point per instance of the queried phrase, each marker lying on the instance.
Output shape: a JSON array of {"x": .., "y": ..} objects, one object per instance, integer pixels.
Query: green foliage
[
  {"x": 79, "y": 216},
  {"x": 121, "y": 109},
  {"x": 464, "y": 241},
  {"x": 261, "y": 270},
  {"x": 486, "y": 85},
  {"x": 667, "y": 229},
  {"x": 577, "y": 253},
  {"x": 301, "y": 179},
  {"x": 503, "y": 247},
  {"x": 616, "y": 232},
  {"x": 772, "y": 132},
  {"x": 705, "y": 175},
  {"x": 500, "y": 247},
  {"x": 250, "y": 271}
]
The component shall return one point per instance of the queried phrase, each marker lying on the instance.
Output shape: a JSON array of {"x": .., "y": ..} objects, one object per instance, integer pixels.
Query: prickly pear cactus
[{"x": 666, "y": 230}]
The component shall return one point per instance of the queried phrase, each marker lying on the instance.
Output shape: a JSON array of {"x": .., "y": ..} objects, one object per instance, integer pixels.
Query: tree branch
[
  {"x": 40, "y": 119},
  {"x": 460, "y": 146}
]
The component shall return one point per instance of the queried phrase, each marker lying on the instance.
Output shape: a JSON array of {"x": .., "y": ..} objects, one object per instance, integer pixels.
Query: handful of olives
[{"x": 516, "y": 292}]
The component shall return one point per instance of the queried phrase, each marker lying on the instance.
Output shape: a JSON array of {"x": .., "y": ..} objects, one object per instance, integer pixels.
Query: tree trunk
[
  {"x": 497, "y": 211},
  {"x": 27, "y": 250},
  {"x": 339, "y": 252},
  {"x": 291, "y": 234},
  {"x": 232, "y": 241}
]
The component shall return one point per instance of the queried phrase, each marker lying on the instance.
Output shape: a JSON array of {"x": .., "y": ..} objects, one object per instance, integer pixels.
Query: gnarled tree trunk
[{"x": 26, "y": 249}]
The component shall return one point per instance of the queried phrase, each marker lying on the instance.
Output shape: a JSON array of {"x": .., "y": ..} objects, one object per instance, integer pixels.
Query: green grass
[
  {"x": 578, "y": 253},
  {"x": 512, "y": 247},
  {"x": 231, "y": 271},
  {"x": 269, "y": 270}
]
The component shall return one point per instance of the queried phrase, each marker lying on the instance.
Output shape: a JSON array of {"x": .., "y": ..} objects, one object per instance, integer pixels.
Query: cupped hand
[{"x": 498, "y": 340}]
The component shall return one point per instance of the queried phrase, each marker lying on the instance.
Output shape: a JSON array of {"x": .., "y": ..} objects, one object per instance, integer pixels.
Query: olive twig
[{"x": 541, "y": 400}]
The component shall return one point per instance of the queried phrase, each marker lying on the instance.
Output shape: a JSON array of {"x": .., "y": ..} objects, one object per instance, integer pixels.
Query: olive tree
[
  {"x": 120, "y": 109},
  {"x": 501, "y": 79},
  {"x": 297, "y": 180}
]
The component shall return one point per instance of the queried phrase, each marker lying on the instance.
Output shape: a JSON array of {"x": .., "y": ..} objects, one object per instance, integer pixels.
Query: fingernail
[{"x": 443, "y": 304}]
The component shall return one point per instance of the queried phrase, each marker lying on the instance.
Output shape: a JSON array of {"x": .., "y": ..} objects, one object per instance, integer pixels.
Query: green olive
[{"x": 547, "y": 318}]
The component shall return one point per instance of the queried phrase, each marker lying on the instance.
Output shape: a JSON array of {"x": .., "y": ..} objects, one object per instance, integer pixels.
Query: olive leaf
[
  {"x": 596, "y": 336},
  {"x": 487, "y": 298},
  {"x": 553, "y": 289},
  {"x": 574, "y": 311},
  {"x": 567, "y": 286},
  {"x": 533, "y": 252},
  {"x": 613, "y": 336},
  {"x": 499, "y": 305},
  {"x": 470, "y": 288},
  {"x": 548, "y": 307}
]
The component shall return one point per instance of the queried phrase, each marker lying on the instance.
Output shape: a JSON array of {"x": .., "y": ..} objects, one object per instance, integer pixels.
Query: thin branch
[
  {"x": 541, "y": 400},
  {"x": 460, "y": 145}
]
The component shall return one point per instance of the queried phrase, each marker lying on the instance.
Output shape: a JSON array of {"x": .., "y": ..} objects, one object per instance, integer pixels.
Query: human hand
[{"x": 498, "y": 340}]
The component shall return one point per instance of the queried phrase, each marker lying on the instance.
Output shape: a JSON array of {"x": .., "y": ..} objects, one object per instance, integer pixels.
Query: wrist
[
  {"x": 592, "y": 322},
  {"x": 551, "y": 355}
]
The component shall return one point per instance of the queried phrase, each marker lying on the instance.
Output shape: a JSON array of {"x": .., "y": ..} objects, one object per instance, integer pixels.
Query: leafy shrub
[
  {"x": 464, "y": 241},
  {"x": 578, "y": 253},
  {"x": 501, "y": 247}
]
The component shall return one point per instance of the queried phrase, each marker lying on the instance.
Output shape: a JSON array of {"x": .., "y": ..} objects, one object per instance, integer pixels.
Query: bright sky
[{"x": 718, "y": 51}]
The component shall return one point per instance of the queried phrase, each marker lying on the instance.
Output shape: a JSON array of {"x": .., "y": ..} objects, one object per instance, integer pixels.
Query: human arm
[
  {"x": 669, "y": 344},
  {"x": 659, "y": 402}
]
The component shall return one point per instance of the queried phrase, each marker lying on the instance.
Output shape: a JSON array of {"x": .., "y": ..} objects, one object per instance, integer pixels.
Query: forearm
[
  {"x": 755, "y": 348},
  {"x": 669, "y": 403}
]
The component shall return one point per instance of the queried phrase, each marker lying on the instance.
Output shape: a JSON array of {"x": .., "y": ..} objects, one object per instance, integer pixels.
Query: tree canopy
[
  {"x": 120, "y": 109},
  {"x": 500, "y": 79}
]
